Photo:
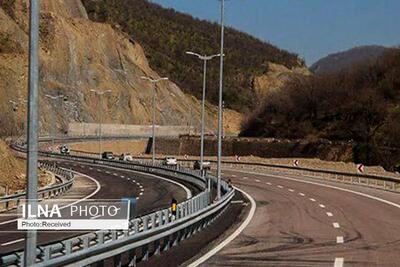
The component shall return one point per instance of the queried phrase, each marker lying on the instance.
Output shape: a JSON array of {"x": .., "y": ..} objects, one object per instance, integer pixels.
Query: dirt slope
[{"x": 77, "y": 56}]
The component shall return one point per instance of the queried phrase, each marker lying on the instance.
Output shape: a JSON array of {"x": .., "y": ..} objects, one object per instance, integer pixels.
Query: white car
[
  {"x": 126, "y": 157},
  {"x": 170, "y": 161}
]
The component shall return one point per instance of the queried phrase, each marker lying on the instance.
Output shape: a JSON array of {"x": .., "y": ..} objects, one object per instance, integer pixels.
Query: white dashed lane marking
[
  {"x": 268, "y": 183},
  {"x": 291, "y": 190},
  {"x": 322, "y": 206},
  {"x": 312, "y": 199},
  {"x": 280, "y": 186},
  {"x": 302, "y": 194},
  {"x": 13, "y": 242},
  {"x": 339, "y": 262},
  {"x": 336, "y": 225},
  {"x": 257, "y": 180},
  {"x": 339, "y": 239},
  {"x": 329, "y": 214}
]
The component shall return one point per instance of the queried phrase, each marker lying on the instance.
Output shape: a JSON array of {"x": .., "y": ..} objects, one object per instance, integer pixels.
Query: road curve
[
  {"x": 313, "y": 224},
  {"x": 152, "y": 193}
]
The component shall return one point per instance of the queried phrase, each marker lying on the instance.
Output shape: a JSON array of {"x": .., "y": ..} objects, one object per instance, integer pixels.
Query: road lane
[
  {"x": 151, "y": 192},
  {"x": 311, "y": 225}
]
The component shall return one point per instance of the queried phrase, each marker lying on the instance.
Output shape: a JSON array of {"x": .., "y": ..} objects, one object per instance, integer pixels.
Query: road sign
[
  {"x": 360, "y": 168},
  {"x": 296, "y": 163}
]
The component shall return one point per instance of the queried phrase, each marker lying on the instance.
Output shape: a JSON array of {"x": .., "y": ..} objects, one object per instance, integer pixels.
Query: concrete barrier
[{"x": 84, "y": 129}]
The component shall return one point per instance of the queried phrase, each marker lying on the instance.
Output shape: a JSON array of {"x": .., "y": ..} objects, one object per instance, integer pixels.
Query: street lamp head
[{"x": 193, "y": 54}]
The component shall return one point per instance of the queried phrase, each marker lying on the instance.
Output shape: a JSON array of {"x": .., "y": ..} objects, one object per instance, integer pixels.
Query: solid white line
[
  {"x": 313, "y": 200},
  {"x": 339, "y": 239},
  {"x": 13, "y": 242},
  {"x": 336, "y": 225},
  {"x": 237, "y": 201},
  {"x": 322, "y": 206},
  {"x": 302, "y": 194},
  {"x": 329, "y": 214},
  {"x": 338, "y": 262},
  {"x": 221, "y": 245}
]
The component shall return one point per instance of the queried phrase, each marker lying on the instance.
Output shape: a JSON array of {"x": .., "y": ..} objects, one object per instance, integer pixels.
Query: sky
[{"x": 310, "y": 28}]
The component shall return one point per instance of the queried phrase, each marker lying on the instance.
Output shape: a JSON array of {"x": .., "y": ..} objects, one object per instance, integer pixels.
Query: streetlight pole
[
  {"x": 53, "y": 115},
  {"x": 205, "y": 58},
  {"x": 221, "y": 76},
  {"x": 33, "y": 123},
  {"x": 100, "y": 94},
  {"x": 154, "y": 82}
]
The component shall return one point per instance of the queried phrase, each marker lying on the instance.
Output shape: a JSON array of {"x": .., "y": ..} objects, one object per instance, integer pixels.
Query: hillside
[
  {"x": 76, "y": 56},
  {"x": 360, "y": 106},
  {"x": 167, "y": 34},
  {"x": 345, "y": 59}
]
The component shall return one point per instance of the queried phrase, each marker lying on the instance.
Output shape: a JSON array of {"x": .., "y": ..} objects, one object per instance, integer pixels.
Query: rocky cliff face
[{"x": 77, "y": 56}]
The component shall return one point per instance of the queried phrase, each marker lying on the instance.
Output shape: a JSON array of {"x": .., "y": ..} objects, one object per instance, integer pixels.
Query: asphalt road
[
  {"x": 308, "y": 224},
  {"x": 151, "y": 192}
]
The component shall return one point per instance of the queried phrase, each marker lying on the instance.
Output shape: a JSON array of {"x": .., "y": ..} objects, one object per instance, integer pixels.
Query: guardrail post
[
  {"x": 85, "y": 242},
  {"x": 145, "y": 223},
  {"x": 153, "y": 221},
  {"x": 132, "y": 258},
  {"x": 166, "y": 216},
  {"x": 145, "y": 252},
  {"x": 114, "y": 235},
  {"x": 117, "y": 260},
  {"x": 47, "y": 253},
  {"x": 136, "y": 226},
  {"x": 167, "y": 243},
  {"x": 100, "y": 237},
  {"x": 157, "y": 247},
  {"x": 176, "y": 238},
  {"x": 68, "y": 247}
]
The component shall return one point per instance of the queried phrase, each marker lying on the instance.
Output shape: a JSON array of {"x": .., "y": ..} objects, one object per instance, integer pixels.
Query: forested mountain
[
  {"x": 167, "y": 34},
  {"x": 361, "y": 105},
  {"x": 344, "y": 60}
]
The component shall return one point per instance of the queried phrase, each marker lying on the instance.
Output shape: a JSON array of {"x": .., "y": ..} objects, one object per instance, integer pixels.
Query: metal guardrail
[
  {"x": 66, "y": 177},
  {"x": 152, "y": 233},
  {"x": 389, "y": 183}
]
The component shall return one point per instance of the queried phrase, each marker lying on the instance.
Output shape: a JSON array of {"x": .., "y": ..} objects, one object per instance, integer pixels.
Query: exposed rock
[
  {"x": 275, "y": 78},
  {"x": 77, "y": 56}
]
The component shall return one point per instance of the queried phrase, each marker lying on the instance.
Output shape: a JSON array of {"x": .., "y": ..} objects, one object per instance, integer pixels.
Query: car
[
  {"x": 170, "y": 161},
  {"x": 64, "y": 150},
  {"x": 206, "y": 165},
  {"x": 126, "y": 157},
  {"x": 107, "y": 155}
]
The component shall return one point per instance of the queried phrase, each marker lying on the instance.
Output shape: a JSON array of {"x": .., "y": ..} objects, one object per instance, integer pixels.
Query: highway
[
  {"x": 309, "y": 222},
  {"x": 152, "y": 193}
]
